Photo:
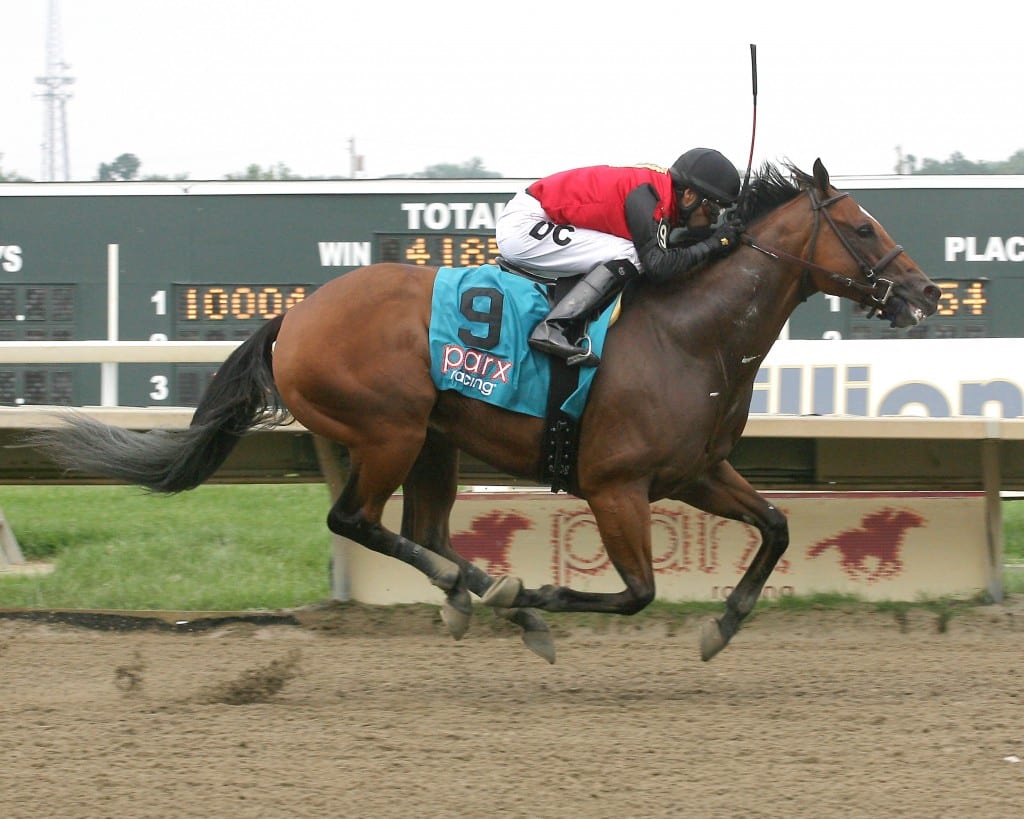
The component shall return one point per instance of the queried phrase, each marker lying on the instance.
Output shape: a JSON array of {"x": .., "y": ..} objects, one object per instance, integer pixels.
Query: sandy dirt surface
[{"x": 352, "y": 711}]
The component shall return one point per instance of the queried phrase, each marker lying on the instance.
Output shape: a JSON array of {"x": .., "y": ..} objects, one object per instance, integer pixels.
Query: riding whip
[{"x": 753, "y": 128}]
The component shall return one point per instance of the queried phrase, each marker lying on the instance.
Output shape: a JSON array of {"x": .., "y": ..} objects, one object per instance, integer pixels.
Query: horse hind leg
[
  {"x": 429, "y": 492},
  {"x": 726, "y": 493},
  {"x": 356, "y": 515}
]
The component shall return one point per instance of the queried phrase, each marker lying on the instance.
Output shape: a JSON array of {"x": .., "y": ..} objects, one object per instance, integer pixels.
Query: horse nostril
[{"x": 933, "y": 292}]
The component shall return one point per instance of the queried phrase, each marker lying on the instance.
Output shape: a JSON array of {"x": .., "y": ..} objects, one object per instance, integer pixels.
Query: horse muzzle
[{"x": 908, "y": 310}]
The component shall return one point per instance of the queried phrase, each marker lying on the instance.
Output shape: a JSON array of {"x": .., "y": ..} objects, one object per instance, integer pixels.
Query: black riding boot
[{"x": 589, "y": 295}]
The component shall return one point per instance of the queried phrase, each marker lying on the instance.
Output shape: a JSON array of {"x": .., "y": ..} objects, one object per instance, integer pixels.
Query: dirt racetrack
[{"x": 358, "y": 712}]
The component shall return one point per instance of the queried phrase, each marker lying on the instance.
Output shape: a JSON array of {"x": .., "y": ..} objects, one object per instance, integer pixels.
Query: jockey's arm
[{"x": 660, "y": 262}]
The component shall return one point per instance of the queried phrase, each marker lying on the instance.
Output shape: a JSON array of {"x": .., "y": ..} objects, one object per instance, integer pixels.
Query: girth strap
[{"x": 561, "y": 432}]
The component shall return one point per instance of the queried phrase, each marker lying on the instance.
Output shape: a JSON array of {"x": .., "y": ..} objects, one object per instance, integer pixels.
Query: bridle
[{"x": 873, "y": 293}]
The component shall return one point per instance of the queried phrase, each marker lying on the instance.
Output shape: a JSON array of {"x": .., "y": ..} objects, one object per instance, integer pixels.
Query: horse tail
[{"x": 241, "y": 395}]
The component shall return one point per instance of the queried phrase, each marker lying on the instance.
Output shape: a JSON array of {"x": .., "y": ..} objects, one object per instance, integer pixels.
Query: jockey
[{"x": 652, "y": 221}]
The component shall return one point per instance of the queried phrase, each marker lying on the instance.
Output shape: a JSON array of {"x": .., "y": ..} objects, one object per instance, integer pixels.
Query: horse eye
[{"x": 866, "y": 231}]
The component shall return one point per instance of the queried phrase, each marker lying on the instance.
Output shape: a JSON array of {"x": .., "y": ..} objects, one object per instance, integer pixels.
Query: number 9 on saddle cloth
[{"x": 480, "y": 320}]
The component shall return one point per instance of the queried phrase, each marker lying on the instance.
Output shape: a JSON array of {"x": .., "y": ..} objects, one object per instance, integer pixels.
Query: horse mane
[{"x": 770, "y": 188}]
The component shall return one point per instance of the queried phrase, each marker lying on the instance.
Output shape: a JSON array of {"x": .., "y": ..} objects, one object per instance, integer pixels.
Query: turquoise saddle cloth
[{"x": 480, "y": 320}]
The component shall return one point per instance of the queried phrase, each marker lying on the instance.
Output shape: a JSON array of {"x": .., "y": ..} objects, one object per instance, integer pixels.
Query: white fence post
[{"x": 10, "y": 551}]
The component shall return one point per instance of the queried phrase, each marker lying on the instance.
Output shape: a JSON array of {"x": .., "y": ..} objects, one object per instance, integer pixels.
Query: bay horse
[{"x": 667, "y": 405}]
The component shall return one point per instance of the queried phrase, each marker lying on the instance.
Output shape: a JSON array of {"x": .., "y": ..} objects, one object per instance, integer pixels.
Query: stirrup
[{"x": 588, "y": 358}]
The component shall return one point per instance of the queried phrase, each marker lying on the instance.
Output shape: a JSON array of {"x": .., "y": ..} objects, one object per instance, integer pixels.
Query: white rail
[
  {"x": 114, "y": 352},
  {"x": 108, "y": 354},
  {"x": 860, "y": 453}
]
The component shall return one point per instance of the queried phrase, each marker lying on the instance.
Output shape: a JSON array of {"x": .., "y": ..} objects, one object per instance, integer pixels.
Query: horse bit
[{"x": 876, "y": 292}]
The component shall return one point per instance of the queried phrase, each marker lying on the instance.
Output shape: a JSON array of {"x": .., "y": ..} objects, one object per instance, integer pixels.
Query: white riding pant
[{"x": 527, "y": 235}]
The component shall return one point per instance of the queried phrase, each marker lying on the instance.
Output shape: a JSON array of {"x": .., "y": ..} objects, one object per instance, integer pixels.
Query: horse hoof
[
  {"x": 711, "y": 639},
  {"x": 536, "y": 635},
  {"x": 540, "y": 643},
  {"x": 455, "y": 613},
  {"x": 503, "y": 592}
]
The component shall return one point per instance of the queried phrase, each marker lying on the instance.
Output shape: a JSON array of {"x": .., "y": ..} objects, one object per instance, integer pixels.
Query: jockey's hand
[
  {"x": 725, "y": 239},
  {"x": 732, "y": 217}
]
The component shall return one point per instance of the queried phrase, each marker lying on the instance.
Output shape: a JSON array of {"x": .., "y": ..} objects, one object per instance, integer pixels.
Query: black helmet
[{"x": 707, "y": 172}]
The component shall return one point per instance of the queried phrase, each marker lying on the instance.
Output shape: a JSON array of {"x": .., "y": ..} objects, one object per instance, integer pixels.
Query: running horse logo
[
  {"x": 489, "y": 537},
  {"x": 871, "y": 552}
]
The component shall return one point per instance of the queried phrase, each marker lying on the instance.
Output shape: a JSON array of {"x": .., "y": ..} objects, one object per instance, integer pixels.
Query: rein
[{"x": 875, "y": 293}]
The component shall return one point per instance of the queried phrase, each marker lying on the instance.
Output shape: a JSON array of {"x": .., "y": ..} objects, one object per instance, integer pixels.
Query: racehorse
[{"x": 667, "y": 405}]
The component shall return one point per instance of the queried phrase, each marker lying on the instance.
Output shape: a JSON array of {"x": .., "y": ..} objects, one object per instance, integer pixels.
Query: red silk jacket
[{"x": 595, "y": 197}]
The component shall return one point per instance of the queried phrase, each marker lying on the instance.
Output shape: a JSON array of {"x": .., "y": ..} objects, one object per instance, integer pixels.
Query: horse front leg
[
  {"x": 727, "y": 494},
  {"x": 429, "y": 492},
  {"x": 623, "y": 517}
]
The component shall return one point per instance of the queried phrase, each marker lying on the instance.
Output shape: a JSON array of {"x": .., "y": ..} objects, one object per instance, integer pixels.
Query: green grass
[
  {"x": 226, "y": 548},
  {"x": 215, "y": 548},
  {"x": 1013, "y": 530}
]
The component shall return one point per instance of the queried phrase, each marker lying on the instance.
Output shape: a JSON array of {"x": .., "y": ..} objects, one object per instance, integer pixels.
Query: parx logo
[{"x": 480, "y": 371}]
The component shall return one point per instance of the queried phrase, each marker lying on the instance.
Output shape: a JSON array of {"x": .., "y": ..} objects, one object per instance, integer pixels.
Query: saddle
[{"x": 544, "y": 277}]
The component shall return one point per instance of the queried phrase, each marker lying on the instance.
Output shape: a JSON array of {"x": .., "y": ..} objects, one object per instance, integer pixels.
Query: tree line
[
  {"x": 127, "y": 168},
  {"x": 960, "y": 164}
]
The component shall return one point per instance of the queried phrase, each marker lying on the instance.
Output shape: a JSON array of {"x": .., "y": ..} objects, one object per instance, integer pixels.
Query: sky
[{"x": 209, "y": 87}]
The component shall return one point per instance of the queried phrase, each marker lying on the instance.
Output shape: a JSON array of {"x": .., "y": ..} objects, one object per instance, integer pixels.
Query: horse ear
[{"x": 820, "y": 175}]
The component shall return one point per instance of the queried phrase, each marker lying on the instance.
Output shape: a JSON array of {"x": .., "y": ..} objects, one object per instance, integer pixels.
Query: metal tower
[{"x": 55, "y": 121}]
